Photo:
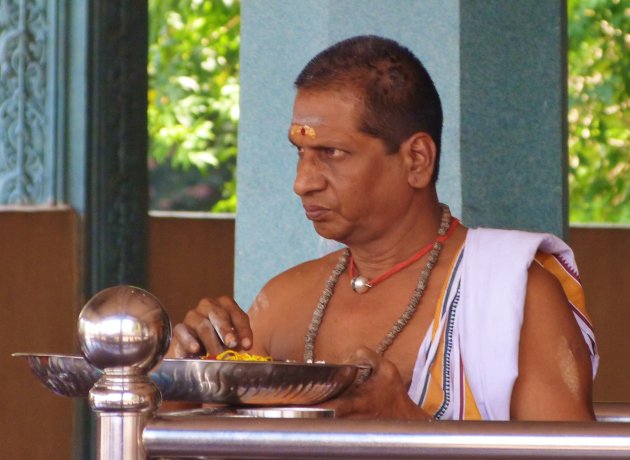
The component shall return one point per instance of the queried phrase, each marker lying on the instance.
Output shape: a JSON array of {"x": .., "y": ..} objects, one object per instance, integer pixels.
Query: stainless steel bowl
[{"x": 208, "y": 381}]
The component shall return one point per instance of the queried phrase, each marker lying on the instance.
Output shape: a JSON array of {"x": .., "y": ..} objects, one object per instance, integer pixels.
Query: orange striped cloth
[{"x": 441, "y": 379}]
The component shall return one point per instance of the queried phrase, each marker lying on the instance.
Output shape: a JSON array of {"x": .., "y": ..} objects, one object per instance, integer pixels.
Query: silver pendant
[{"x": 360, "y": 284}]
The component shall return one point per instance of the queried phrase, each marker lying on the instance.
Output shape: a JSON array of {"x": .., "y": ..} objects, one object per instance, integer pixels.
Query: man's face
[{"x": 351, "y": 188}]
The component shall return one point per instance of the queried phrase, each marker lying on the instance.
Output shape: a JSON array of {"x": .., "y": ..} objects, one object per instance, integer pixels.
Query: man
[{"x": 455, "y": 323}]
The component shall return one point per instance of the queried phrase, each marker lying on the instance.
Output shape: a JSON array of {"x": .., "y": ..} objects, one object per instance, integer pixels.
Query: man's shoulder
[
  {"x": 302, "y": 284},
  {"x": 303, "y": 275},
  {"x": 511, "y": 241}
]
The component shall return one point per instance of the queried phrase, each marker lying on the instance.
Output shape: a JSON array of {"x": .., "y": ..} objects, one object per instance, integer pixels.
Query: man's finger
[
  {"x": 201, "y": 329},
  {"x": 221, "y": 321},
  {"x": 239, "y": 321},
  {"x": 185, "y": 342},
  {"x": 363, "y": 374},
  {"x": 209, "y": 337}
]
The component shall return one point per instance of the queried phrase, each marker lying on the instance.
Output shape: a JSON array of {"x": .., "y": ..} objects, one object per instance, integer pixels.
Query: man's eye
[{"x": 331, "y": 151}]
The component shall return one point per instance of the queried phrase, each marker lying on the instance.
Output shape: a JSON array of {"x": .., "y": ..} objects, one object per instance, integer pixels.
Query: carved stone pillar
[{"x": 26, "y": 155}]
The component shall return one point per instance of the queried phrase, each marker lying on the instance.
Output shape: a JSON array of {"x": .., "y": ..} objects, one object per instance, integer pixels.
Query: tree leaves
[
  {"x": 193, "y": 103},
  {"x": 599, "y": 116},
  {"x": 193, "y": 106}
]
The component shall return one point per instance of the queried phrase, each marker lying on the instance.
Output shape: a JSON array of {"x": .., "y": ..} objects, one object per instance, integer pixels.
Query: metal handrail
[
  {"x": 612, "y": 411},
  {"x": 124, "y": 332},
  {"x": 226, "y": 437}
]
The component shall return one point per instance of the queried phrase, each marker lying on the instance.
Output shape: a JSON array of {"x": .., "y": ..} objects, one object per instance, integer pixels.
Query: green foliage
[
  {"x": 193, "y": 106},
  {"x": 599, "y": 116},
  {"x": 193, "y": 103}
]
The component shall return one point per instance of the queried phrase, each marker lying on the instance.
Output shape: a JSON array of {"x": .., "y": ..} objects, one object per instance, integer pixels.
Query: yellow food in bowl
[{"x": 233, "y": 355}]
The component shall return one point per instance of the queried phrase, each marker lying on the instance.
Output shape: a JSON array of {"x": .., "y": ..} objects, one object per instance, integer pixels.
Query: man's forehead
[
  {"x": 325, "y": 107},
  {"x": 339, "y": 96},
  {"x": 306, "y": 119}
]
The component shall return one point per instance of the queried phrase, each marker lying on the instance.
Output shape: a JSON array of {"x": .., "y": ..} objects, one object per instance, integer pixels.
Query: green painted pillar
[
  {"x": 499, "y": 66},
  {"x": 513, "y": 145}
]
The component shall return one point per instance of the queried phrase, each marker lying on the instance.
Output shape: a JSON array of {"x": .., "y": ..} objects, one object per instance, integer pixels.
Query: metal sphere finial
[{"x": 124, "y": 327}]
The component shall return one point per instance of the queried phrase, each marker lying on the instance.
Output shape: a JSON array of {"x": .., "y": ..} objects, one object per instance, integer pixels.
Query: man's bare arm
[{"x": 555, "y": 373}]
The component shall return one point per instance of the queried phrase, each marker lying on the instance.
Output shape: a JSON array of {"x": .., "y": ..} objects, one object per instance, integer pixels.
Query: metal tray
[{"x": 208, "y": 381}]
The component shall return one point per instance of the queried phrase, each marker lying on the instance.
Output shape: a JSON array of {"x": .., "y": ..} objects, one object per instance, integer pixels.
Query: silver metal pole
[
  {"x": 122, "y": 405},
  {"x": 612, "y": 411},
  {"x": 124, "y": 331},
  {"x": 224, "y": 437},
  {"x": 117, "y": 436}
]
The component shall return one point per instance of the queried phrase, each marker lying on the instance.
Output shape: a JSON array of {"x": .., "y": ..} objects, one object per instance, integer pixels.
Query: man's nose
[{"x": 309, "y": 177}]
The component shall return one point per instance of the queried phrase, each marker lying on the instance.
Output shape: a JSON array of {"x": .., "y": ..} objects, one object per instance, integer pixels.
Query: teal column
[
  {"x": 115, "y": 206},
  {"x": 117, "y": 138},
  {"x": 513, "y": 125},
  {"x": 499, "y": 69}
]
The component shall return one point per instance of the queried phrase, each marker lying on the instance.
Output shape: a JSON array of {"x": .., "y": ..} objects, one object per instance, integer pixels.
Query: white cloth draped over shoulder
[{"x": 468, "y": 361}]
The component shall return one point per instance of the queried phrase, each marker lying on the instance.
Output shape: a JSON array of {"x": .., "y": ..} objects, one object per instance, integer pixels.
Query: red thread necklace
[{"x": 360, "y": 284}]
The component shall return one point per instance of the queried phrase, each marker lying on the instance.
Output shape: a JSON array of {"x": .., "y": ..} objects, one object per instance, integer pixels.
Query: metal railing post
[{"x": 124, "y": 331}]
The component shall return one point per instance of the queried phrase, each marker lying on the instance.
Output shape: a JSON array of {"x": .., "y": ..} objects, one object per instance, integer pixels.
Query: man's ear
[{"x": 419, "y": 150}]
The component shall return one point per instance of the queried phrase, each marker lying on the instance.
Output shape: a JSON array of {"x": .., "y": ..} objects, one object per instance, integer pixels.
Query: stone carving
[{"x": 23, "y": 89}]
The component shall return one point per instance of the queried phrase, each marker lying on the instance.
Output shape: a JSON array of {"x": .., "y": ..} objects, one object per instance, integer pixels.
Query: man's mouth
[{"x": 315, "y": 213}]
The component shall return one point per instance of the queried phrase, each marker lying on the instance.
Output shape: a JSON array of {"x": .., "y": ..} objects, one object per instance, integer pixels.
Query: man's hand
[
  {"x": 211, "y": 327},
  {"x": 383, "y": 395}
]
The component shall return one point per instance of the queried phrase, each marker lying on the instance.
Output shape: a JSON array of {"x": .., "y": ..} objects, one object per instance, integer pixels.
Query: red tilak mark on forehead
[{"x": 304, "y": 130}]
